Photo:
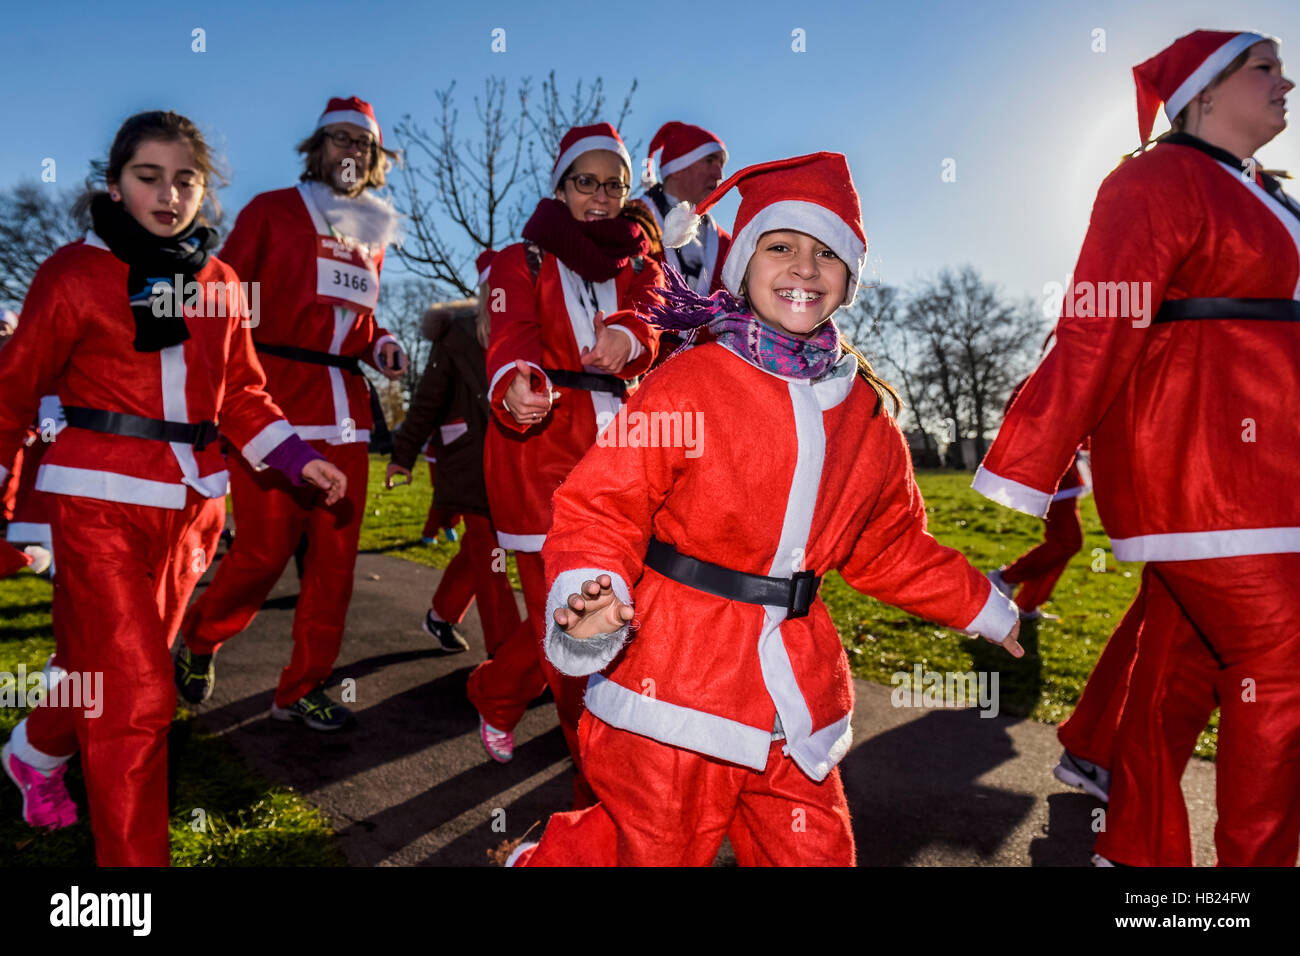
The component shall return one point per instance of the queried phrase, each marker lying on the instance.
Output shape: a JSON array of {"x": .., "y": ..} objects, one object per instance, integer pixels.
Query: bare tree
[
  {"x": 35, "y": 220},
  {"x": 465, "y": 193}
]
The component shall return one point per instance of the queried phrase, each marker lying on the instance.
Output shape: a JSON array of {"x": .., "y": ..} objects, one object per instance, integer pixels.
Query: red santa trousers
[
  {"x": 1162, "y": 718},
  {"x": 271, "y": 516},
  {"x": 503, "y": 687},
  {"x": 477, "y": 572},
  {"x": 1037, "y": 570},
  {"x": 1244, "y": 635},
  {"x": 125, "y": 573},
  {"x": 664, "y": 806}
]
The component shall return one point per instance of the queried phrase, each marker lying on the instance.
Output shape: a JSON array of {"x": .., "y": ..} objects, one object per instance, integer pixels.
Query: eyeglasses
[
  {"x": 587, "y": 185},
  {"x": 341, "y": 139}
]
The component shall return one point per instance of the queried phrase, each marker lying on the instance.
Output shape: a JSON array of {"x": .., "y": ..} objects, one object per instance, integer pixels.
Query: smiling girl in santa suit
[
  {"x": 1194, "y": 433},
  {"x": 727, "y": 712},
  {"x": 136, "y": 481},
  {"x": 316, "y": 249},
  {"x": 558, "y": 372}
]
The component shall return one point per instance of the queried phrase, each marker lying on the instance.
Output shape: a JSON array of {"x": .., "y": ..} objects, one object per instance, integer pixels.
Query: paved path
[{"x": 411, "y": 785}]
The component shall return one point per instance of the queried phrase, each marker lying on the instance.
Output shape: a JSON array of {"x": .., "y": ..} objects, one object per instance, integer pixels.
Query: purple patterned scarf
[{"x": 734, "y": 325}]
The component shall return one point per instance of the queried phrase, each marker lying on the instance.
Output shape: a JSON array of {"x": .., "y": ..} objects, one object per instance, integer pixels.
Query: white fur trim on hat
[
  {"x": 698, "y": 153},
  {"x": 1203, "y": 74},
  {"x": 807, "y": 217},
  {"x": 349, "y": 116},
  {"x": 586, "y": 145}
]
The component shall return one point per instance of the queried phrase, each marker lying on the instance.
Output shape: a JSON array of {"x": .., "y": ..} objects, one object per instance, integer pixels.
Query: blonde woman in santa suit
[
  {"x": 136, "y": 484},
  {"x": 1191, "y": 413},
  {"x": 315, "y": 251},
  {"x": 558, "y": 371}
]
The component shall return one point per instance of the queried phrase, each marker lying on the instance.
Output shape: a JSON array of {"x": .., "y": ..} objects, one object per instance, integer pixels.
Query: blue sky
[{"x": 1012, "y": 91}]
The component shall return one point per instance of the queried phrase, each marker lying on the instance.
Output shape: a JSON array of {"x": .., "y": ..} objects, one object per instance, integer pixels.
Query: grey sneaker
[{"x": 316, "y": 711}]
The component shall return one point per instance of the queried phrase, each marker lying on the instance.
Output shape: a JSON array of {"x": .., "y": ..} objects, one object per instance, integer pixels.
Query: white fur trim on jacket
[
  {"x": 1202, "y": 545},
  {"x": 1010, "y": 493},
  {"x": 580, "y": 657}
]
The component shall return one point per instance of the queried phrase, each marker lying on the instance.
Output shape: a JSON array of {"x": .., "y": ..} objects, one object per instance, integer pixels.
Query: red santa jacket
[
  {"x": 274, "y": 243},
  {"x": 714, "y": 239},
  {"x": 740, "y": 467},
  {"x": 75, "y": 340},
  {"x": 1193, "y": 424},
  {"x": 546, "y": 322}
]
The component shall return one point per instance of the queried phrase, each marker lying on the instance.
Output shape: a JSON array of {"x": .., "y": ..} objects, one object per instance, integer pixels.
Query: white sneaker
[
  {"x": 1006, "y": 589},
  {"x": 1076, "y": 772}
]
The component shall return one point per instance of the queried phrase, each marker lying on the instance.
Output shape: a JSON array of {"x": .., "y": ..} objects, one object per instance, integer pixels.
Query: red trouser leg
[
  {"x": 1170, "y": 698},
  {"x": 270, "y": 517},
  {"x": 1062, "y": 539},
  {"x": 1248, "y": 611},
  {"x": 502, "y": 688},
  {"x": 195, "y": 551},
  {"x": 455, "y": 591},
  {"x": 320, "y": 617},
  {"x": 497, "y": 609},
  {"x": 111, "y": 637},
  {"x": 665, "y": 806},
  {"x": 1090, "y": 730}
]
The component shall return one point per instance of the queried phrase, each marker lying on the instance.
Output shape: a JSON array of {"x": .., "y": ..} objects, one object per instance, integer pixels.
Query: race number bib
[{"x": 344, "y": 276}]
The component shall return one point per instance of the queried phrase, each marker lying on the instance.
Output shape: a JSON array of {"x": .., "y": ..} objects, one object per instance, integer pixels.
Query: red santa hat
[
  {"x": 682, "y": 144},
  {"x": 583, "y": 139},
  {"x": 1178, "y": 73},
  {"x": 813, "y": 194},
  {"x": 351, "y": 110},
  {"x": 483, "y": 263}
]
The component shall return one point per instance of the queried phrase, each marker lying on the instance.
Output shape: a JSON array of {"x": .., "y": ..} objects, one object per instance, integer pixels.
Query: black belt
[
  {"x": 1272, "y": 310},
  {"x": 795, "y": 594},
  {"x": 200, "y": 434},
  {"x": 293, "y": 353},
  {"x": 587, "y": 381}
]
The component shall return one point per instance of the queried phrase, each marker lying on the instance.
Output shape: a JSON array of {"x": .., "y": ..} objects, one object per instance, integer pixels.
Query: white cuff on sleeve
[
  {"x": 383, "y": 340},
  {"x": 573, "y": 656},
  {"x": 996, "y": 618},
  {"x": 266, "y": 441},
  {"x": 637, "y": 348},
  {"x": 1010, "y": 493}
]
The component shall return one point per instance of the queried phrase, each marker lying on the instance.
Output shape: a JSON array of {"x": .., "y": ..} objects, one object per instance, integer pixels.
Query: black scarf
[
  {"x": 1270, "y": 184},
  {"x": 154, "y": 261}
]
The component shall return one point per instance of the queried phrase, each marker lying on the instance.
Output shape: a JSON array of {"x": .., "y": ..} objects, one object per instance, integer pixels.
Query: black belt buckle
[
  {"x": 207, "y": 434},
  {"x": 803, "y": 588}
]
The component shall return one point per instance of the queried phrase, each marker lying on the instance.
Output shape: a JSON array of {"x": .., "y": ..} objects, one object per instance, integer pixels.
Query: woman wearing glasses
[
  {"x": 313, "y": 252},
  {"x": 557, "y": 374}
]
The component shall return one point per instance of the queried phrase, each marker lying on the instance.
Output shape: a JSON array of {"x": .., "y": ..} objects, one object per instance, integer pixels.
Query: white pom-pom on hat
[{"x": 680, "y": 225}]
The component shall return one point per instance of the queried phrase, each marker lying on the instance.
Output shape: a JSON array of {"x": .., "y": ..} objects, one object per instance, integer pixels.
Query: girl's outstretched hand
[
  {"x": 1011, "y": 645},
  {"x": 597, "y": 610}
]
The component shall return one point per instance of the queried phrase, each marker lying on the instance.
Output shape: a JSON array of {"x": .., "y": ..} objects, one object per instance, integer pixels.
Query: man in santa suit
[
  {"x": 690, "y": 164},
  {"x": 1186, "y": 386},
  {"x": 315, "y": 250}
]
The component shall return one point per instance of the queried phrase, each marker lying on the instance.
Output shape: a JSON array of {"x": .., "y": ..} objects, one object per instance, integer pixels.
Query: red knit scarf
[{"x": 596, "y": 250}]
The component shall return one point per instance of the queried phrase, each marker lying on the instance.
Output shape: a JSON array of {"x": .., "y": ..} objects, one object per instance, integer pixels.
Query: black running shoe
[
  {"x": 316, "y": 711},
  {"x": 444, "y": 634},
  {"x": 195, "y": 675}
]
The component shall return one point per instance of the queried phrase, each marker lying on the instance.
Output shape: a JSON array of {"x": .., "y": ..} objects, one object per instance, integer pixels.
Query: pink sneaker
[
  {"x": 45, "y": 798},
  {"x": 500, "y": 744}
]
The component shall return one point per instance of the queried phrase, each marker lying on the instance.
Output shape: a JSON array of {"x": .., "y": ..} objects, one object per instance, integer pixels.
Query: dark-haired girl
[{"x": 148, "y": 373}]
